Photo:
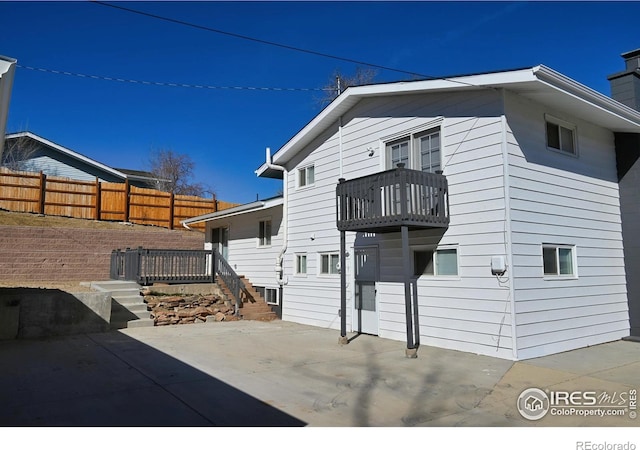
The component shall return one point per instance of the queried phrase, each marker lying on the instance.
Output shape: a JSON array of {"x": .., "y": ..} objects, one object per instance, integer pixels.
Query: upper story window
[
  {"x": 306, "y": 176},
  {"x": 419, "y": 151},
  {"x": 561, "y": 135},
  {"x": 264, "y": 233}
]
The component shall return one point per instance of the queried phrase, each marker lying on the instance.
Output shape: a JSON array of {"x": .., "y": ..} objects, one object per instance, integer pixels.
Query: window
[
  {"x": 306, "y": 176},
  {"x": 441, "y": 262},
  {"x": 429, "y": 145},
  {"x": 301, "y": 264},
  {"x": 398, "y": 153},
  {"x": 329, "y": 263},
  {"x": 558, "y": 260},
  {"x": 420, "y": 151},
  {"x": 560, "y": 135},
  {"x": 264, "y": 233},
  {"x": 271, "y": 296}
]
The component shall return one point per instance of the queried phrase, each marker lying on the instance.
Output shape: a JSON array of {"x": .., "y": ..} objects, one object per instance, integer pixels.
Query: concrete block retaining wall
[{"x": 77, "y": 254}]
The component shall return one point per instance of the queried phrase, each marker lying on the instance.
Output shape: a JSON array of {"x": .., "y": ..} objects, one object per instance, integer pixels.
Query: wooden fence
[{"x": 96, "y": 200}]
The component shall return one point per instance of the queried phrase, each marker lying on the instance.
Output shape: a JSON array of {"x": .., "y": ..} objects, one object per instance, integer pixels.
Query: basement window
[{"x": 271, "y": 296}]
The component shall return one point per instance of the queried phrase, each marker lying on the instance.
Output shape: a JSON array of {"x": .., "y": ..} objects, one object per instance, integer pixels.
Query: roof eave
[
  {"x": 626, "y": 116},
  {"x": 236, "y": 210},
  {"x": 352, "y": 95}
]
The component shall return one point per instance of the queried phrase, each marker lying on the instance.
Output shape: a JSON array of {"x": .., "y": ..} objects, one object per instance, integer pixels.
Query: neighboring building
[
  {"x": 33, "y": 153},
  {"x": 501, "y": 235}
]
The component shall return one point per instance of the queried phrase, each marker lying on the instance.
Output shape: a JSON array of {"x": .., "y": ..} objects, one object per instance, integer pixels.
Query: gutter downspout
[
  {"x": 340, "y": 145},
  {"x": 508, "y": 238},
  {"x": 7, "y": 71},
  {"x": 285, "y": 219}
]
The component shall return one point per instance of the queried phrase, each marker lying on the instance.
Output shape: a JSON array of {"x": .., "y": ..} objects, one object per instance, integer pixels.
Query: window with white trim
[
  {"x": 301, "y": 264},
  {"x": 418, "y": 151},
  {"x": 264, "y": 233},
  {"x": 558, "y": 260},
  {"x": 329, "y": 263},
  {"x": 561, "y": 135},
  {"x": 271, "y": 296},
  {"x": 439, "y": 262},
  {"x": 306, "y": 176}
]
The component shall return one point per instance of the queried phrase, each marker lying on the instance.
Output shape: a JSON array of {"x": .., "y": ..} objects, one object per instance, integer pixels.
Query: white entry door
[{"x": 365, "y": 318}]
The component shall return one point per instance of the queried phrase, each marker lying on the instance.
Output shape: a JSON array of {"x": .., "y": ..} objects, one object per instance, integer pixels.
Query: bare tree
[
  {"x": 174, "y": 172},
  {"x": 18, "y": 152},
  {"x": 339, "y": 82}
]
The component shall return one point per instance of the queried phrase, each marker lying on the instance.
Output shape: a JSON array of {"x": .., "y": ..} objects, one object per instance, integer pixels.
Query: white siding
[
  {"x": 245, "y": 256},
  {"x": 562, "y": 199},
  {"x": 470, "y": 312},
  {"x": 553, "y": 198}
]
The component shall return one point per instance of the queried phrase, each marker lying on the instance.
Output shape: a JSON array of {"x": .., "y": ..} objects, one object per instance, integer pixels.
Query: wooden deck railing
[
  {"x": 148, "y": 266},
  {"x": 385, "y": 201}
]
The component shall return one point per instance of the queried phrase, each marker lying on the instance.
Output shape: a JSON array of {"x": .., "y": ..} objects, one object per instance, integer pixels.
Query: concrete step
[
  {"x": 139, "y": 308},
  {"x": 145, "y": 322},
  {"x": 114, "y": 285},
  {"x": 259, "y": 316},
  {"x": 131, "y": 299}
]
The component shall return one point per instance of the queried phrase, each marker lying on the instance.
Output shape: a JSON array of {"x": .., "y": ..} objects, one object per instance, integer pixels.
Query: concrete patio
[{"x": 278, "y": 373}]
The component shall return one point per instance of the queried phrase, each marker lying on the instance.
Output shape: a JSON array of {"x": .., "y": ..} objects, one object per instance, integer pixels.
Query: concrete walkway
[{"x": 282, "y": 374}]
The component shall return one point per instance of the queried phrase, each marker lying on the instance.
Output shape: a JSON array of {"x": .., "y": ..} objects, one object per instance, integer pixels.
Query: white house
[{"x": 501, "y": 235}]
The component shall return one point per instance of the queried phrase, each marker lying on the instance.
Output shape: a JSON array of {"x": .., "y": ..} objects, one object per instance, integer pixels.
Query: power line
[
  {"x": 261, "y": 41},
  {"x": 165, "y": 84}
]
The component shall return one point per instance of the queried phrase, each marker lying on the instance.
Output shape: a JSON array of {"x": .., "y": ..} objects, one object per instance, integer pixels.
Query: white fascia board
[
  {"x": 235, "y": 211},
  {"x": 524, "y": 81},
  {"x": 594, "y": 100},
  {"x": 68, "y": 152}
]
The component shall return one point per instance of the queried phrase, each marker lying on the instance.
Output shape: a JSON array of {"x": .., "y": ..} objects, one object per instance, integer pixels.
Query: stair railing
[{"x": 231, "y": 279}]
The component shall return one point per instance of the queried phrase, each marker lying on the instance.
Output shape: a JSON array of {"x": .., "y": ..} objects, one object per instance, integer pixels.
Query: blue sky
[{"x": 225, "y": 131}]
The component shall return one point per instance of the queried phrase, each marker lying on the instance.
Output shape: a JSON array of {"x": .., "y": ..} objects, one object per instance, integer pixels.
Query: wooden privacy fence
[{"x": 99, "y": 200}]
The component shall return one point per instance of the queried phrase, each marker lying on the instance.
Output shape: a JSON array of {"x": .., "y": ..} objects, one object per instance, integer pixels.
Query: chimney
[{"x": 625, "y": 86}]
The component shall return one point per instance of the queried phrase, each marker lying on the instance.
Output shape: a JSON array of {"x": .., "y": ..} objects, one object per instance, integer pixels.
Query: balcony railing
[{"x": 385, "y": 201}]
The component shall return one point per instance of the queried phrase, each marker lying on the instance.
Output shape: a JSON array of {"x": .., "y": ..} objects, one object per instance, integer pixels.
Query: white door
[{"x": 365, "y": 318}]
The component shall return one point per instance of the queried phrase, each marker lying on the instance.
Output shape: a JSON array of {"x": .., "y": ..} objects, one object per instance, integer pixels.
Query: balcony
[{"x": 386, "y": 201}]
